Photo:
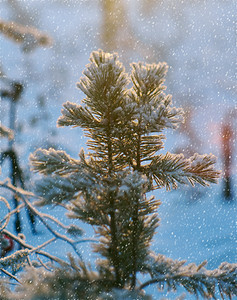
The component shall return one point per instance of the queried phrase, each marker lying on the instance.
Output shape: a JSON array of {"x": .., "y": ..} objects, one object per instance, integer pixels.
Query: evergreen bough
[{"x": 123, "y": 117}]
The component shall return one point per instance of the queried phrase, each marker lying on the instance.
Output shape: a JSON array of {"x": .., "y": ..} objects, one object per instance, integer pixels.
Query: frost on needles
[{"x": 123, "y": 115}]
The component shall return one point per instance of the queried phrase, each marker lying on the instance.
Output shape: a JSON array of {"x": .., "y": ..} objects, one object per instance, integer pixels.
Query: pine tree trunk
[
  {"x": 135, "y": 219},
  {"x": 113, "y": 225}
]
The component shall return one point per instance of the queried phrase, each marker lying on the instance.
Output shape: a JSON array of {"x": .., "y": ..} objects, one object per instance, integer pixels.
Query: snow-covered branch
[
  {"x": 196, "y": 279},
  {"x": 170, "y": 169},
  {"x": 75, "y": 115},
  {"x": 42, "y": 217},
  {"x": 52, "y": 161}
]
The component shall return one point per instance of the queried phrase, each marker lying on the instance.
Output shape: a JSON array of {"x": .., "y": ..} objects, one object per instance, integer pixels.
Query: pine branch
[
  {"x": 52, "y": 161},
  {"x": 75, "y": 281},
  {"x": 104, "y": 79},
  {"x": 194, "y": 278},
  {"x": 57, "y": 189},
  {"x": 75, "y": 115},
  {"x": 148, "y": 78},
  {"x": 150, "y": 145},
  {"x": 54, "y": 190},
  {"x": 158, "y": 114},
  {"x": 170, "y": 169}
]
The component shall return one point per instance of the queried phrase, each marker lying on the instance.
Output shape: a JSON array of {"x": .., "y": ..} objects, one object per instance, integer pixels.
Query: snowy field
[{"x": 197, "y": 39}]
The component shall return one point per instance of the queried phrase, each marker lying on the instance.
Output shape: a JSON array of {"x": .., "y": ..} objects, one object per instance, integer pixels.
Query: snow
[{"x": 197, "y": 40}]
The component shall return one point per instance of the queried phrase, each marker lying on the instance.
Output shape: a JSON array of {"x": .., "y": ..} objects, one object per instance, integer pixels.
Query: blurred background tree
[{"x": 29, "y": 38}]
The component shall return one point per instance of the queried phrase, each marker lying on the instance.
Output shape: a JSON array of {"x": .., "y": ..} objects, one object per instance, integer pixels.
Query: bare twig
[
  {"x": 42, "y": 263},
  {"x": 10, "y": 275},
  {"x": 42, "y": 216},
  {"x": 12, "y": 212},
  {"x": 7, "y": 218},
  {"x": 42, "y": 245},
  {"x": 54, "y": 220},
  {"x": 23, "y": 194},
  {"x": 43, "y": 253}
]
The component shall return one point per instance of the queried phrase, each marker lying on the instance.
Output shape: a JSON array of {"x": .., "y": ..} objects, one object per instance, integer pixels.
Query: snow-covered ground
[{"x": 197, "y": 39}]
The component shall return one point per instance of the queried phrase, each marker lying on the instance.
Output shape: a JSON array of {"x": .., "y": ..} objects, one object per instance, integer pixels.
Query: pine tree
[{"x": 123, "y": 117}]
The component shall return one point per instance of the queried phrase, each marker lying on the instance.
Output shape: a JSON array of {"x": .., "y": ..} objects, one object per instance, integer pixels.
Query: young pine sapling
[{"x": 123, "y": 117}]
